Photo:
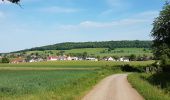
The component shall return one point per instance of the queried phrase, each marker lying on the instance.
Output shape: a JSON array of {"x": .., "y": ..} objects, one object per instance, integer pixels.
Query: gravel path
[{"x": 114, "y": 87}]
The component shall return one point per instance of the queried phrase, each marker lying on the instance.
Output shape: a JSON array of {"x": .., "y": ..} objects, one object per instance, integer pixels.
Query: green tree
[
  {"x": 5, "y": 60},
  {"x": 98, "y": 57},
  {"x": 161, "y": 33},
  {"x": 84, "y": 55},
  {"x": 13, "y": 1},
  {"x": 62, "y": 52},
  {"x": 132, "y": 57}
]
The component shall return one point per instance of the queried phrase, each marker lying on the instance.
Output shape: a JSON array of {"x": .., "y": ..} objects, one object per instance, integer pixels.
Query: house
[
  {"x": 92, "y": 59},
  {"x": 80, "y": 59},
  {"x": 32, "y": 60},
  {"x": 120, "y": 59},
  {"x": 52, "y": 58},
  {"x": 75, "y": 58},
  {"x": 123, "y": 59},
  {"x": 126, "y": 60},
  {"x": 62, "y": 58},
  {"x": 110, "y": 59},
  {"x": 17, "y": 60},
  {"x": 36, "y": 60},
  {"x": 40, "y": 59},
  {"x": 72, "y": 58},
  {"x": 69, "y": 58}
]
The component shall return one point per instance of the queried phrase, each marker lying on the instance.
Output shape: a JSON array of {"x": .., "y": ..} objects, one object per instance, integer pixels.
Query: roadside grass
[
  {"x": 161, "y": 80},
  {"x": 144, "y": 87}
]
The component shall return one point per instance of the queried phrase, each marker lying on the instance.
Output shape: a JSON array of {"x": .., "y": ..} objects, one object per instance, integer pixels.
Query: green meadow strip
[{"x": 149, "y": 91}]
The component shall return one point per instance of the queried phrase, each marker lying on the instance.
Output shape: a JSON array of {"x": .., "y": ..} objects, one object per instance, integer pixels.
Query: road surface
[{"x": 114, "y": 87}]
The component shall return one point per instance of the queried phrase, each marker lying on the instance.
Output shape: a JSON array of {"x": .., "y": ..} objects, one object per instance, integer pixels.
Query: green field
[
  {"x": 75, "y": 64},
  {"x": 43, "y": 85},
  {"x": 51, "y": 84},
  {"x": 99, "y": 52}
]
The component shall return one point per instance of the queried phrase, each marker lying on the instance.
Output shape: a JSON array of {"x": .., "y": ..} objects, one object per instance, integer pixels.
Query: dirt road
[{"x": 115, "y": 87}]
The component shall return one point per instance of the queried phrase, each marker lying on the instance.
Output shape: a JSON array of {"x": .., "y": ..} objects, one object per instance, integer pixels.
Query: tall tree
[
  {"x": 13, "y": 1},
  {"x": 161, "y": 33},
  {"x": 5, "y": 60}
]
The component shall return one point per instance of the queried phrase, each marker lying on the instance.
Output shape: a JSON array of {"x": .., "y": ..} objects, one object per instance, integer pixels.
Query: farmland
[
  {"x": 50, "y": 84},
  {"x": 43, "y": 84},
  {"x": 74, "y": 64},
  {"x": 98, "y": 52}
]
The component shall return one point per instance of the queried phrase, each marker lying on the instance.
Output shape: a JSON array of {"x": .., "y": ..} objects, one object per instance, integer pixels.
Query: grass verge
[{"x": 148, "y": 90}]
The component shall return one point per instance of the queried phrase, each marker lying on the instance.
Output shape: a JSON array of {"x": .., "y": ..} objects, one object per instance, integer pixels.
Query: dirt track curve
[{"x": 114, "y": 87}]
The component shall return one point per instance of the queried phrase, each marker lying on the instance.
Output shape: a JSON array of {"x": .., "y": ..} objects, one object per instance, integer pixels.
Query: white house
[
  {"x": 32, "y": 60},
  {"x": 110, "y": 59},
  {"x": 75, "y": 58},
  {"x": 36, "y": 60},
  {"x": 126, "y": 60},
  {"x": 72, "y": 58},
  {"x": 69, "y": 58},
  {"x": 91, "y": 59},
  {"x": 123, "y": 59},
  {"x": 52, "y": 58},
  {"x": 80, "y": 58}
]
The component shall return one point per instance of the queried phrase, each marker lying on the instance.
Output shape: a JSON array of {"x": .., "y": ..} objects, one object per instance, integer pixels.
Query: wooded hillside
[{"x": 103, "y": 44}]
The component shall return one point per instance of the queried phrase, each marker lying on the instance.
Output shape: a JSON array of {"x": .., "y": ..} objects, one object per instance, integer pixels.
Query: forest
[{"x": 104, "y": 44}]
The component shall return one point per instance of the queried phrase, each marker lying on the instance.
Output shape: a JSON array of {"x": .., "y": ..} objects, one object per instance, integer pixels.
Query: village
[{"x": 66, "y": 58}]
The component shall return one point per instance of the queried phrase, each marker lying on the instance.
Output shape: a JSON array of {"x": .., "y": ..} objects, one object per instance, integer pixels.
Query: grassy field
[
  {"x": 63, "y": 84},
  {"x": 45, "y": 85},
  {"x": 100, "y": 51},
  {"x": 51, "y": 84},
  {"x": 75, "y": 64},
  {"x": 151, "y": 87}
]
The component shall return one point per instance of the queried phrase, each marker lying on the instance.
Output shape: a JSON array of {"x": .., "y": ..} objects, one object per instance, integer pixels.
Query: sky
[{"x": 46, "y": 22}]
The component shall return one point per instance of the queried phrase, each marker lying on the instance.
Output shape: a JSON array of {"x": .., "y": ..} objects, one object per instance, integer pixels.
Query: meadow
[
  {"x": 43, "y": 85},
  {"x": 63, "y": 84},
  {"x": 76, "y": 64},
  {"x": 102, "y": 52}
]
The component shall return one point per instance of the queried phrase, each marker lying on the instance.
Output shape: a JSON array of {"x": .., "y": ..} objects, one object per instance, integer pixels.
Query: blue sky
[{"x": 43, "y": 22}]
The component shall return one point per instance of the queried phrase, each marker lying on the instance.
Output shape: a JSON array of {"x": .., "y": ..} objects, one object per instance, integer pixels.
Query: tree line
[{"x": 104, "y": 44}]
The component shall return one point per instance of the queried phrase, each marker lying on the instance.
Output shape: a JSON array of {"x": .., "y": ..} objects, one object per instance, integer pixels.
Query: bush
[
  {"x": 166, "y": 68},
  {"x": 165, "y": 64},
  {"x": 129, "y": 68},
  {"x": 5, "y": 60}
]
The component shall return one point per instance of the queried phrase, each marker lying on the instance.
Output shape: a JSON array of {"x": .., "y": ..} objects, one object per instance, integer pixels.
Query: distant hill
[{"x": 102, "y": 44}]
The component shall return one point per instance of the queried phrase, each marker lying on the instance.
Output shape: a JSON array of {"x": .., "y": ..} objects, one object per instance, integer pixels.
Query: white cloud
[
  {"x": 86, "y": 25},
  {"x": 140, "y": 18},
  {"x": 56, "y": 9},
  {"x": 137, "y": 26}
]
